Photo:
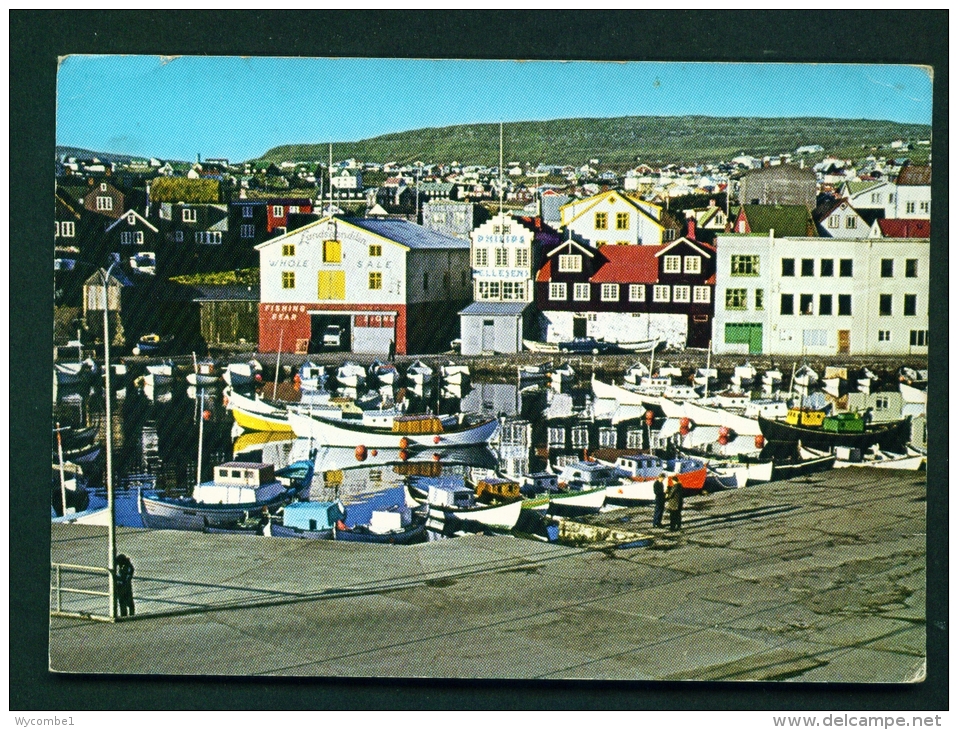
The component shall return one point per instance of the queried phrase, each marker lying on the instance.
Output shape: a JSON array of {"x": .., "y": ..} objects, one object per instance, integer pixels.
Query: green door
[
  {"x": 744, "y": 333},
  {"x": 755, "y": 340}
]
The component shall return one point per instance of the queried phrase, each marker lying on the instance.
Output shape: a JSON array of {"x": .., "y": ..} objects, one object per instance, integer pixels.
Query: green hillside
[{"x": 621, "y": 141}]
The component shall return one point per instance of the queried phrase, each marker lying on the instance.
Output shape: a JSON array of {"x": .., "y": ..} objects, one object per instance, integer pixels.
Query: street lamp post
[{"x": 111, "y": 504}]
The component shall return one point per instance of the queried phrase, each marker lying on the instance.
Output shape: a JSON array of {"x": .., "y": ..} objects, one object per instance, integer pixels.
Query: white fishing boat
[
  {"x": 243, "y": 374},
  {"x": 312, "y": 377},
  {"x": 350, "y": 374},
  {"x": 911, "y": 394},
  {"x": 705, "y": 416},
  {"x": 205, "y": 373},
  {"x": 681, "y": 393},
  {"x": 378, "y": 429},
  {"x": 638, "y": 346},
  {"x": 452, "y": 505},
  {"x": 767, "y": 408},
  {"x": 705, "y": 376},
  {"x": 454, "y": 374},
  {"x": 419, "y": 373},
  {"x": 772, "y": 378},
  {"x": 730, "y": 399},
  {"x": 635, "y": 373},
  {"x": 617, "y": 393},
  {"x": 873, "y": 457},
  {"x": 744, "y": 375},
  {"x": 534, "y": 346},
  {"x": 385, "y": 373},
  {"x": 669, "y": 371}
]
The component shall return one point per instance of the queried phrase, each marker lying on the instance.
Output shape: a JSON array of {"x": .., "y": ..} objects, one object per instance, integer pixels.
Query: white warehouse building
[{"x": 821, "y": 296}]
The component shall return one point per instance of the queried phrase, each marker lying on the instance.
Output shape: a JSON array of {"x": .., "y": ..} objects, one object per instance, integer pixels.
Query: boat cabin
[
  {"x": 501, "y": 489},
  {"x": 766, "y": 409},
  {"x": 449, "y": 493},
  {"x": 641, "y": 466},
  {"x": 313, "y": 515},
  {"x": 844, "y": 423},
  {"x": 540, "y": 482},
  {"x": 239, "y": 482},
  {"x": 416, "y": 424},
  {"x": 393, "y": 520},
  {"x": 588, "y": 474},
  {"x": 803, "y": 417}
]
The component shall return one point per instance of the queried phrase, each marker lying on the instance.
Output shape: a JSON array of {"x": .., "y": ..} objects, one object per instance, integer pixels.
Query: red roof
[
  {"x": 628, "y": 264},
  {"x": 915, "y": 175},
  {"x": 545, "y": 273},
  {"x": 905, "y": 227}
]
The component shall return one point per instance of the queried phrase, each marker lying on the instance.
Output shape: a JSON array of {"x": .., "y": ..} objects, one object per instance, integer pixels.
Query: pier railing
[{"x": 75, "y": 590}]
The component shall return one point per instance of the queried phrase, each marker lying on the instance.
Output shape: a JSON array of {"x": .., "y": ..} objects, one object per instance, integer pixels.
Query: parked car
[
  {"x": 333, "y": 336},
  {"x": 588, "y": 344}
]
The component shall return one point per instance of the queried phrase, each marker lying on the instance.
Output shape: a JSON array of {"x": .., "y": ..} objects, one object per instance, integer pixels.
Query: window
[
  {"x": 425, "y": 281},
  {"x": 882, "y": 403},
  {"x": 375, "y": 280},
  {"x": 702, "y": 294},
  {"x": 788, "y": 267},
  {"x": 884, "y": 305},
  {"x": 909, "y": 207},
  {"x": 570, "y": 263},
  {"x": 375, "y": 250},
  {"x": 887, "y": 268},
  {"x": 601, "y": 221},
  {"x": 557, "y": 291},
  {"x": 247, "y": 230},
  {"x": 511, "y": 290},
  {"x": 845, "y": 305},
  {"x": 911, "y": 305},
  {"x": 673, "y": 265},
  {"x": 788, "y": 304},
  {"x": 580, "y": 292},
  {"x": 189, "y": 215},
  {"x": 178, "y": 236},
  {"x": 891, "y": 197},
  {"x": 814, "y": 338},
  {"x": 332, "y": 252},
  {"x": 760, "y": 299},
  {"x": 126, "y": 237},
  {"x": 57, "y": 225},
  {"x": 131, "y": 218},
  {"x": 808, "y": 267},
  {"x": 102, "y": 187},
  {"x": 826, "y": 267},
  {"x": 693, "y": 264},
  {"x": 610, "y": 292},
  {"x": 925, "y": 207},
  {"x": 502, "y": 257},
  {"x": 600, "y": 244},
  {"x": 736, "y": 298},
  {"x": 208, "y": 237},
  {"x": 660, "y": 293},
  {"x": 824, "y": 304},
  {"x": 636, "y": 293},
  {"x": 104, "y": 203},
  {"x": 845, "y": 267},
  {"x": 805, "y": 304},
  {"x": 833, "y": 221},
  {"x": 289, "y": 279},
  {"x": 911, "y": 268},
  {"x": 138, "y": 238},
  {"x": 876, "y": 197},
  {"x": 247, "y": 211},
  {"x": 884, "y": 335},
  {"x": 522, "y": 257},
  {"x": 918, "y": 338},
  {"x": 482, "y": 257},
  {"x": 851, "y": 222},
  {"x": 277, "y": 211},
  {"x": 294, "y": 209},
  {"x": 621, "y": 243},
  {"x": 483, "y": 289},
  {"x": 622, "y": 221},
  {"x": 289, "y": 249},
  {"x": 681, "y": 293},
  {"x": 331, "y": 285},
  {"x": 744, "y": 265},
  {"x": 68, "y": 229}
]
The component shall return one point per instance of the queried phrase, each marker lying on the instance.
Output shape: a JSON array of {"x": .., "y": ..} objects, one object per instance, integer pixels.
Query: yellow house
[{"x": 615, "y": 218}]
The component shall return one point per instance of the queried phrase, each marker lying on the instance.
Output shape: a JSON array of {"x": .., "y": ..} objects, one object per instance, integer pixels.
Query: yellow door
[{"x": 332, "y": 285}]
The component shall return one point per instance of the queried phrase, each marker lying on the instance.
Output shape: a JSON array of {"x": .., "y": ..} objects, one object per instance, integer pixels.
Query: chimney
[
  {"x": 711, "y": 202},
  {"x": 691, "y": 229}
]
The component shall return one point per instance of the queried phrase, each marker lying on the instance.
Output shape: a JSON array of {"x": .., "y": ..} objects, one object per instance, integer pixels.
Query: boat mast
[
  {"x": 63, "y": 484},
  {"x": 278, "y": 352},
  {"x": 199, "y": 451},
  {"x": 708, "y": 369}
]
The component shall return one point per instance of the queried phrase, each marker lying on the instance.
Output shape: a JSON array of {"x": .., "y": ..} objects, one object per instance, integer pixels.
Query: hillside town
[{"x": 794, "y": 254}]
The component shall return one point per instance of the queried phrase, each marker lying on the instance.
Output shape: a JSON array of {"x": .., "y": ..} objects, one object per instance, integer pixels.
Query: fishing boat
[
  {"x": 705, "y": 376},
  {"x": 623, "y": 396},
  {"x": 396, "y": 526},
  {"x": 534, "y": 372},
  {"x": 637, "y": 467},
  {"x": 588, "y": 475},
  {"x": 452, "y": 506},
  {"x": 767, "y": 407},
  {"x": 639, "y": 346},
  {"x": 744, "y": 376},
  {"x": 804, "y": 377},
  {"x": 681, "y": 393},
  {"x": 158, "y": 374},
  {"x": 669, "y": 371},
  {"x": 454, "y": 374},
  {"x": 819, "y": 430},
  {"x": 385, "y": 373},
  {"x": 350, "y": 374},
  {"x": 912, "y": 394},
  {"x": 796, "y": 466},
  {"x": 243, "y": 374},
  {"x": 534, "y": 346},
  {"x": 772, "y": 378},
  {"x": 238, "y": 489},
  {"x": 563, "y": 373},
  {"x": 74, "y": 373},
  {"x": 635, "y": 373},
  {"x": 205, "y": 373},
  {"x": 310, "y": 376},
  {"x": 729, "y": 399},
  {"x": 255, "y": 414},
  {"x": 153, "y": 344},
  {"x": 385, "y": 429},
  {"x": 706, "y": 416},
  {"x": 419, "y": 373},
  {"x": 308, "y": 520},
  {"x": 874, "y": 457}
]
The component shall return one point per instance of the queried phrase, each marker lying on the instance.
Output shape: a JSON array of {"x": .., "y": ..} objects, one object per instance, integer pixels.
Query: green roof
[
  {"x": 184, "y": 190},
  {"x": 786, "y": 220},
  {"x": 857, "y": 186}
]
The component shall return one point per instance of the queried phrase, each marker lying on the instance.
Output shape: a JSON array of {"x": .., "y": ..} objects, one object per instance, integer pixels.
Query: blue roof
[
  {"x": 407, "y": 233},
  {"x": 509, "y": 309}
]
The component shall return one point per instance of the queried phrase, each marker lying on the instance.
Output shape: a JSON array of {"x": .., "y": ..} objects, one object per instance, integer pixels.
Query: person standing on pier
[
  {"x": 673, "y": 497},
  {"x": 659, "y": 490},
  {"x": 123, "y": 586}
]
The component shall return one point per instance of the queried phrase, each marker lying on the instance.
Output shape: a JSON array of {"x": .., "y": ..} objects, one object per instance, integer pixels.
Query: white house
[
  {"x": 615, "y": 218},
  {"x": 821, "y": 296}
]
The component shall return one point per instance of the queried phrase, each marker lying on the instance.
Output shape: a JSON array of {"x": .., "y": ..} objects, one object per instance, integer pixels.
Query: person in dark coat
[
  {"x": 658, "y": 488},
  {"x": 123, "y": 586},
  {"x": 673, "y": 498}
]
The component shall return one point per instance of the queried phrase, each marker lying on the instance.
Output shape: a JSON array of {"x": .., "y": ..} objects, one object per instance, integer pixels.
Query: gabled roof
[
  {"x": 602, "y": 196},
  {"x": 629, "y": 264},
  {"x": 704, "y": 248},
  {"x": 855, "y": 187},
  {"x": 407, "y": 233},
  {"x": 134, "y": 213},
  {"x": 905, "y": 227},
  {"x": 915, "y": 175},
  {"x": 570, "y": 243},
  {"x": 785, "y": 220}
]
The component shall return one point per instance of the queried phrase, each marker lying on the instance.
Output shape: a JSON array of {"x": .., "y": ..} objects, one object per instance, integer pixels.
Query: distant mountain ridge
[{"x": 618, "y": 140}]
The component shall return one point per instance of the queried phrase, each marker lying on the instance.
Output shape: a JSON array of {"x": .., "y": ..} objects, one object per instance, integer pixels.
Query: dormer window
[
  {"x": 673, "y": 265},
  {"x": 570, "y": 263},
  {"x": 277, "y": 211},
  {"x": 189, "y": 215},
  {"x": 131, "y": 218},
  {"x": 693, "y": 264},
  {"x": 102, "y": 187}
]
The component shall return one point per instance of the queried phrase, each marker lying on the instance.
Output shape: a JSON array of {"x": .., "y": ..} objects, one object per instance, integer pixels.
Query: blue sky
[{"x": 240, "y": 107}]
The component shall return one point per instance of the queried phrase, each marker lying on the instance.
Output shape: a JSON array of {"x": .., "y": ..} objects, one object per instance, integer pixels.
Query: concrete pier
[{"x": 815, "y": 580}]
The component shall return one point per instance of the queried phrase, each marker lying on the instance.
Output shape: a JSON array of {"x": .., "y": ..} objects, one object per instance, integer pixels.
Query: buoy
[
  {"x": 207, "y": 415},
  {"x": 723, "y": 435},
  {"x": 685, "y": 425},
  {"x": 403, "y": 455},
  {"x": 374, "y": 452},
  {"x": 360, "y": 453},
  {"x": 759, "y": 441},
  {"x": 436, "y": 439},
  {"x": 649, "y": 417},
  {"x": 436, "y": 457},
  {"x": 403, "y": 443},
  {"x": 258, "y": 378}
]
